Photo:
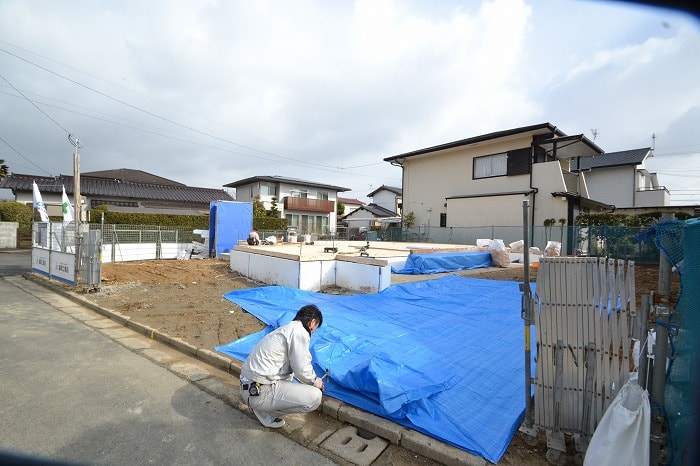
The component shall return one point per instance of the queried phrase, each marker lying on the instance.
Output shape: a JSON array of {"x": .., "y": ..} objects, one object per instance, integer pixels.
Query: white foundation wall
[
  {"x": 397, "y": 262},
  {"x": 266, "y": 269},
  {"x": 311, "y": 275},
  {"x": 362, "y": 277},
  {"x": 142, "y": 251}
]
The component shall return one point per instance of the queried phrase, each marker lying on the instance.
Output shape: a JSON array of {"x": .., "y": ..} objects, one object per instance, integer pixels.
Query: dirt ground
[{"x": 185, "y": 299}]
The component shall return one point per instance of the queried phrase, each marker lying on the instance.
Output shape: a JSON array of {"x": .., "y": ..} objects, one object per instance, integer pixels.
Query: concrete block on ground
[{"x": 351, "y": 446}]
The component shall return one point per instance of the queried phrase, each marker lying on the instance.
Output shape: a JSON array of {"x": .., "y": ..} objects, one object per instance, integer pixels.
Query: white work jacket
[{"x": 281, "y": 355}]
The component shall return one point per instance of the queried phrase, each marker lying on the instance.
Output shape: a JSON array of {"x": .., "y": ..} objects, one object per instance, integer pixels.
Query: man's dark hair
[{"x": 308, "y": 313}]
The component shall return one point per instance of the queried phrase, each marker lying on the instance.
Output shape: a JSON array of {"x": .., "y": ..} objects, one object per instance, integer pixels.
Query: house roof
[
  {"x": 134, "y": 176},
  {"x": 566, "y": 146},
  {"x": 584, "y": 201},
  {"x": 116, "y": 188},
  {"x": 281, "y": 179},
  {"x": 612, "y": 159},
  {"x": 374, "y": 209},
  {"x": 383, "y": 187},
  {"x": 350, "y": 201}
]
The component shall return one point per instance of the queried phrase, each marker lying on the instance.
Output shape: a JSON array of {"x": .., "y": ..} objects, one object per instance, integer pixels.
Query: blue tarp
[
  {"x": 444, "y": 262},
  {"x": 229, "y": 222},
  {"x": 444, "y": 357}
]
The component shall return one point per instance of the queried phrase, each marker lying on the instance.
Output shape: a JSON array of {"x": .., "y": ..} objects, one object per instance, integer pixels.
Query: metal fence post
[
  {"x": 662, "y": 312},
  {"x": 527, "y": 317}
]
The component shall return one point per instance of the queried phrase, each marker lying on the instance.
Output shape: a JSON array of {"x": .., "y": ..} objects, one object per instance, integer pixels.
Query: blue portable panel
[{"x": 229, "y": 222}]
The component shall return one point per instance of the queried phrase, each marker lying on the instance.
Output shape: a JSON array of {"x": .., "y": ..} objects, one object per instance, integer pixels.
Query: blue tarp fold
[
  {"x": 444, "y": 357},
  {"x": 417, "y": 264}
]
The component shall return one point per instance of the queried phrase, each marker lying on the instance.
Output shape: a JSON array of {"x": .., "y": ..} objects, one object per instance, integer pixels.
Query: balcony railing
[{"x": 308, "y": 205}]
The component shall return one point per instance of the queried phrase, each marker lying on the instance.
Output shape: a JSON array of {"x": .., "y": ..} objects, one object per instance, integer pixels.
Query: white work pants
[{"x": 282, "y": 398}]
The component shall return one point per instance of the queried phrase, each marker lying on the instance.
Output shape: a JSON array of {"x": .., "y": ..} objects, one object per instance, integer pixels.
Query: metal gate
[
  {"x": 585, "y": 307},
  {"x": 62, "y": 253},
  {"x": 90, "y": 262}
]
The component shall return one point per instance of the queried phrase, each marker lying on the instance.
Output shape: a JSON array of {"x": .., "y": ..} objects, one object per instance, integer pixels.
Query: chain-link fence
[
  {"x": 679, "y": 241},
  {"x": 141, "y": 242},
  {"x": 600, "y": 241},
  {"x": 133, "y": 242},
  {"x": 71, "y": 256}
]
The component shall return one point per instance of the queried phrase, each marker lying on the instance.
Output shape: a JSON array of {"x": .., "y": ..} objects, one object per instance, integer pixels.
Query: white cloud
[{"x": 303, "y": 88}]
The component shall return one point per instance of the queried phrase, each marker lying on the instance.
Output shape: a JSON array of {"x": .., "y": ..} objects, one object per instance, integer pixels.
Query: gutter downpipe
[
  {"x": 399, "y": 163},
  {"x": 533, "y": 196}
]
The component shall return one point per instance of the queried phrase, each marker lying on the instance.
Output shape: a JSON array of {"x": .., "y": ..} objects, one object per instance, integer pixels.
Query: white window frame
[{"x": 489, "y": 166}]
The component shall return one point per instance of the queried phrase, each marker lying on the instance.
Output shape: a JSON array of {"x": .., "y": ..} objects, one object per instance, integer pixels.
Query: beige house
[
  {"x": 309, "y": 207},
  {"x": 621, "y": 179},
  {"x": 483, "y": 180}
]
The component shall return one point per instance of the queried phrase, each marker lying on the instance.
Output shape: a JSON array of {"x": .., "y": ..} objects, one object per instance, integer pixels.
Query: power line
[
  {"x": 22, "y": 155},
  {"x": 180, "y": 109},
  {"x": 187, "y": 141},
  {"x": 34, "y": 105},
  {"x": 134, "y": 107}
]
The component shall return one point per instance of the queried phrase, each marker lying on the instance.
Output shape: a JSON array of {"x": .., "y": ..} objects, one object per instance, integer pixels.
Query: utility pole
[
  {"x": 76, "y": 180},
  {"x": 78, "y": 205}
]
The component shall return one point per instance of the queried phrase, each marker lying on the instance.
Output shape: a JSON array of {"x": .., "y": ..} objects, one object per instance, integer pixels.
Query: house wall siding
[
  {"x": 480, "y": 211},
  {"x": 614, "y": 185},
  {"x": 385, "y": 199}
]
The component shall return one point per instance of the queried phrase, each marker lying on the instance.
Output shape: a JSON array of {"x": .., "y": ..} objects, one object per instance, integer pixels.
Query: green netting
[{"x": 680, "y": 242}]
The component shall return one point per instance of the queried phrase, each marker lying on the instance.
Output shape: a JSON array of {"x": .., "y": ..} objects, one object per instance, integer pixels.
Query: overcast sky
[{"x": 209, "y": 92}]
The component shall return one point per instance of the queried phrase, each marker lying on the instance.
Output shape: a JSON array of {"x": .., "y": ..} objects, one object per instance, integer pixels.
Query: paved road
[{"x": 71, "y": 394}]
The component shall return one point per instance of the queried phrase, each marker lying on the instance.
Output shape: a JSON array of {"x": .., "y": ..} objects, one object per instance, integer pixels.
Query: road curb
[{"x": 396, "y": 434}]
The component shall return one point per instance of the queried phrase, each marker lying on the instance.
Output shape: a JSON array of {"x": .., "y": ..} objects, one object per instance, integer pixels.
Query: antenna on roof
[
  {"x": 653, "y": 141},
  {"x": 595, "y": 133}
]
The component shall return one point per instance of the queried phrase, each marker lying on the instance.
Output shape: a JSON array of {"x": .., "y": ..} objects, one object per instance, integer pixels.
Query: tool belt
[{"x": 253, "y": 388}]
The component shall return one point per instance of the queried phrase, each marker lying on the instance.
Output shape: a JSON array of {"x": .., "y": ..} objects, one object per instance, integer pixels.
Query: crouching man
[{"x": 266, "y": 377}]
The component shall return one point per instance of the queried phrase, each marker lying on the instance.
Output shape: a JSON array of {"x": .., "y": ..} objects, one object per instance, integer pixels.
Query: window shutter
[{"x": 519, "y": 161}]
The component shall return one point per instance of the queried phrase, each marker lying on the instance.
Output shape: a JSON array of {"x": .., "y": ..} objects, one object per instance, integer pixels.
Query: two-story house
[
  {"x": 621, "y": 179},
  {"x": 387, "y": 197},
  {"x": 308, "y": 206},
  {"x": 483, "y": 180},
  {"x": 384, "y": 210},
  {"x": 350, "y": 204}
]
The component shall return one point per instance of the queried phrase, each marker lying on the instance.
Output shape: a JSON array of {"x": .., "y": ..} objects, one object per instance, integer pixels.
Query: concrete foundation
[
  {"x": 314, "y": 267},
  {"x": 352, "y": 265}
]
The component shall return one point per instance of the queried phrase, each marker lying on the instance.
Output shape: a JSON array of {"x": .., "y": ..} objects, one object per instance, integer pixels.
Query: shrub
[{"x": 12, "y": 211}]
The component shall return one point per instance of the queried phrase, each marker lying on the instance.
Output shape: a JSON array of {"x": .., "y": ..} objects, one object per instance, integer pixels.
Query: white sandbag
[
  {"x": 622, "y": 436},
  {"x": 483, "y": 243},
  {"x": 517, "y": 246},
  {"x": 499, "y": 254},
  {"x": 553, "y": 249}
]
